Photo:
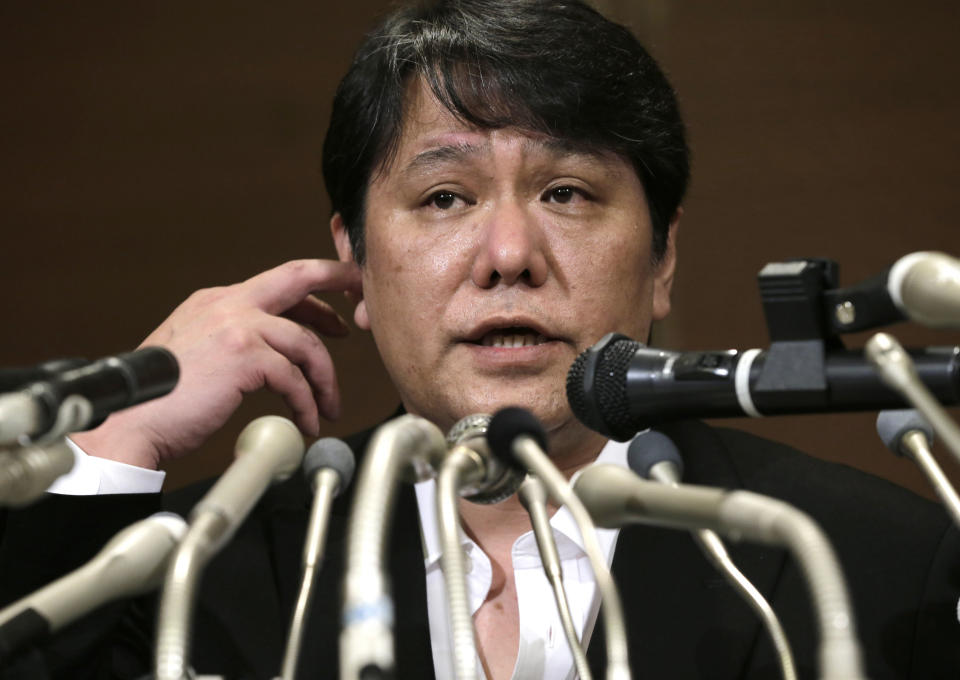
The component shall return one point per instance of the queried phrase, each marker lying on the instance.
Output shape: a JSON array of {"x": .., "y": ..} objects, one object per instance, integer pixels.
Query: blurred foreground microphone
[
  {"x": 471, "y": 471},
  {"x": 80, "y": 398},
  {"x": 926, "y": 287},
  {"x": 653, "y": 455},
  {"x": 131, "y": 563},
  {"x": 14, "y": 378},
  {"x": 517, "y": 438},
  {"x": 616, "y": 496},
  {"x": 411, "y": 448},
  {"x": 269, "y": 449},
  {"x": 906, "y": 432},
  {"x": 27, "y": 471},
  {"x": 328, "y": 467},
  {"x": 619, "y": 386}
]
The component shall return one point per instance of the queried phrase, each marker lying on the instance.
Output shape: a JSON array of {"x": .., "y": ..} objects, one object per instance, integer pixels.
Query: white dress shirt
[{"x": 543, "y": 653}]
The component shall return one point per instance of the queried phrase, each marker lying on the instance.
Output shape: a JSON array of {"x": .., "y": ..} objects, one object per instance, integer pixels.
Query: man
[{"x": 506, "y": 179}]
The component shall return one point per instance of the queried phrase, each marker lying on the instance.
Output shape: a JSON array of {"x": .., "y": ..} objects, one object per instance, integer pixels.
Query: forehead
[{"x": 431, "y": 135}]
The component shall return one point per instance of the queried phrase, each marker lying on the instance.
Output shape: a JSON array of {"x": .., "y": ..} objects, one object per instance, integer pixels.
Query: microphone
[
  {"x": 926, "y": 287},
  {"x": 16, "y": 377},
  {"x": 533, "y": 496},
  {"x": 268, "y": 449},
  {"x": 82, "y": 397},
  {"x": 131, "y": 563},
  {"x": 906, "y": 432},
  {"x": 408, "y": 447},
  {"x": 653, "y": 455},
  {"x": 616, "y": 496},
  {"x": 26, "y": 472},
  {"x": 328, "y": 466},
  {"x": 471, "y": 471},
  {"x": 619, "y": 386},
  {"x": 517, "y": 438}
]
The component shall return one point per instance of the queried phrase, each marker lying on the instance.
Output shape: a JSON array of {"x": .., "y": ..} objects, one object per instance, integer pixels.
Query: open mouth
[{"x": 517, "y": 336}]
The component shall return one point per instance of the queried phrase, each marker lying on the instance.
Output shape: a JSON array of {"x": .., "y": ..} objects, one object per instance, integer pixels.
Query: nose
[{"x": 512, "y": 249}]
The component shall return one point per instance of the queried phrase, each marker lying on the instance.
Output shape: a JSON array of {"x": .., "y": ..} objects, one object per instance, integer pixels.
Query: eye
[
  {"x": 563, "y": 194},
  {"x": 442, "y": 200}
]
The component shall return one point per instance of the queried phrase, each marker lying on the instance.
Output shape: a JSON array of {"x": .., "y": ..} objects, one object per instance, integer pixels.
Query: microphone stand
[{"x": 533, "y": 496}]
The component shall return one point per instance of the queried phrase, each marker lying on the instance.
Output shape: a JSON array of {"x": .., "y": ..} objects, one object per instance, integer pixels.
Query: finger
[
  {"x": 318, "y": 315},
  {"x": 286, "y": 379},
  {"x": 277, "y": 290},
  {"x": 302, "y": 347}
]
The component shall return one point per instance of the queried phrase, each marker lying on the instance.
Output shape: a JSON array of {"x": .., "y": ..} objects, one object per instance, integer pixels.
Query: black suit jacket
[{"x": 901, "y": 558}]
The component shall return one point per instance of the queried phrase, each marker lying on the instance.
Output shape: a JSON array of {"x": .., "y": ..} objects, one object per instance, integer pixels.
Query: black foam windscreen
[
  {"x": 506, "y": 425},
  {"x": 332, "y": 453}
]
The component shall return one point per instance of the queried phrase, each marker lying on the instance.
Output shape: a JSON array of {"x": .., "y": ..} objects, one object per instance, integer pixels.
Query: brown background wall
[{"x": 148, "y": 149}]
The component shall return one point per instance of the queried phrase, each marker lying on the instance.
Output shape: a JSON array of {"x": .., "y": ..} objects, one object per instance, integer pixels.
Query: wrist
[{"x": 117, "y": 441}]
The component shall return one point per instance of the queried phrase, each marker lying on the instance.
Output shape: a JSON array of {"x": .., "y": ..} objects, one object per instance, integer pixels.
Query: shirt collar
[{"x": 613, "y": 453}]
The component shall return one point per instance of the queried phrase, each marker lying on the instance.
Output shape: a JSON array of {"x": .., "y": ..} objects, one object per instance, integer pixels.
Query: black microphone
[
  {"x": 17, "y": 376},
  {"x": 95, "y": 391},
  {"x": 619, "y": 386}
]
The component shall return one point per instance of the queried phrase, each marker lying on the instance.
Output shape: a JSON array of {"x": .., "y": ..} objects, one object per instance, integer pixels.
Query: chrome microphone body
[
  {"x": 131, "y": 563},
  {"x": 269, "y": 449},
  {"x": 409, "y": 447},
  {"x": 616, "y": 496}
]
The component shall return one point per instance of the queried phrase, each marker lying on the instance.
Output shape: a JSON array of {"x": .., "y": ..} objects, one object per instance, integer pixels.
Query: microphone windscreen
[
  {"x": 506, "y": 425},
  {"x": 331, "y": 453},
  {"x": 893, "y": 424},
  {"x": 652, "y": 447}
]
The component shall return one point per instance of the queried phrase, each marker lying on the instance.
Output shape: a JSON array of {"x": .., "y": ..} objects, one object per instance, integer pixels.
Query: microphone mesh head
[
  {"x": 332, "y": 453},
  {"x": 597, "y": 387}
]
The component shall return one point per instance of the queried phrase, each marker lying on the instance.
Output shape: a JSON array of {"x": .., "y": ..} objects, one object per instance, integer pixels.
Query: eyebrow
[{"x": 458, "y": 153}]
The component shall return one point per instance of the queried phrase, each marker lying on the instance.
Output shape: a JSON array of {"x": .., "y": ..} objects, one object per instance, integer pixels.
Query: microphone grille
[
  {"x": 332, "y": 453},
  {"x": 893, "y": 424},
  {"x": 597, "y": 387}
]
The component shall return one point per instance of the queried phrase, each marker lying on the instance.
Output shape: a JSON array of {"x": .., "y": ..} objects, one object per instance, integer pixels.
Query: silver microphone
[
  {"x": 616, "y": 496},
  {"x": 654, "y": 456},
  {"x": 269, "y": 449},
  {"x": 131, "y": 563},
  {"x": 27, "y": 471},
  {"x": 926, "y": 287},
  {"x": 328, "y": 466},
  {"x": 407, "y": 447}
]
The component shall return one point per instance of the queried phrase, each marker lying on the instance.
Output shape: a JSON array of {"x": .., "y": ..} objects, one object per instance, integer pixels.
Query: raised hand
[{"x": 231, "y": 340}]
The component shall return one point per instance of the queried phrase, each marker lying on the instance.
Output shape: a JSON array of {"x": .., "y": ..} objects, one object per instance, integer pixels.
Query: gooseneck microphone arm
[
  {"x": 515, "y": 435},
  {"x": 654, "y": 456},
  {"x": 269, "y": 448},
  {"x": 899, "y": 371},
  {"x": 407, "y": 443},
  {"x": 616, "y": 496},
  {"x": 533, "y": 496},
  {"x": 328, "y": 466},
  {"x": 471, "y": 472}
]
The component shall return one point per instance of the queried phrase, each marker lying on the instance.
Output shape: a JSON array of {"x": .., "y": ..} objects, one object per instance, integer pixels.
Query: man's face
[{"x": 494, "y": 257}]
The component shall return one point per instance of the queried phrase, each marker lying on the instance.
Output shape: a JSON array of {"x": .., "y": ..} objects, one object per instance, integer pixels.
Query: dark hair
[{"x": 551, "y": 66}]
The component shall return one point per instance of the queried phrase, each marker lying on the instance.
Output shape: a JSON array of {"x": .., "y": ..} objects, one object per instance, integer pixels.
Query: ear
[
  {"x": 664, "y": 269},
  {"x": 341, "y": 241}
]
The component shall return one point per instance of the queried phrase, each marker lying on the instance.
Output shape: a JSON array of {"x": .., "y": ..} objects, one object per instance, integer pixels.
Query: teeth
[{"x": 499, "y": 339}]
